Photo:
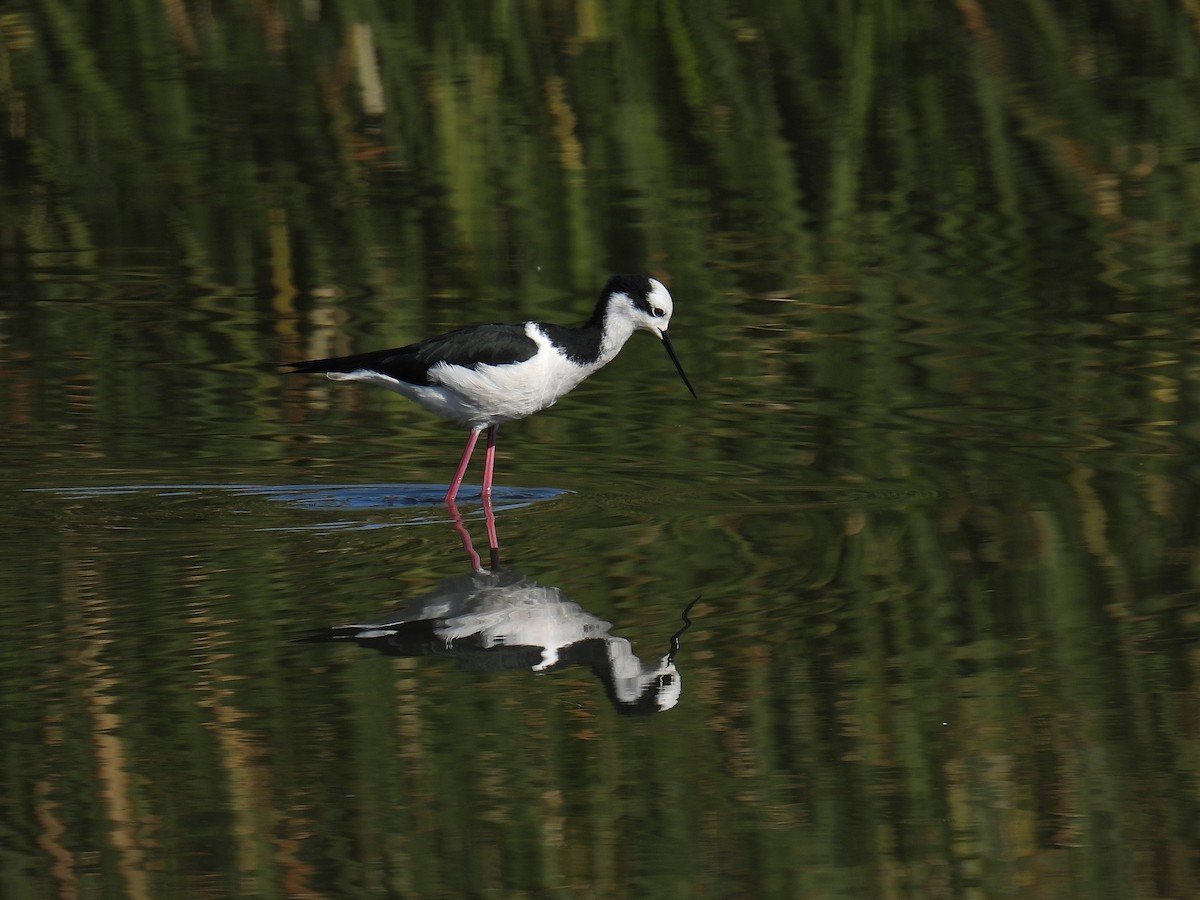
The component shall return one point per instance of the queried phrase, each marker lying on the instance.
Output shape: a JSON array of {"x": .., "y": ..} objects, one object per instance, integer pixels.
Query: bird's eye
[{"x": 657, "y": 313}]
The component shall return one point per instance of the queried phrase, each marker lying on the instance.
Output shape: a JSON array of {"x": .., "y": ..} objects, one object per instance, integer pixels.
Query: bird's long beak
[{"x": 675, "y": 359}]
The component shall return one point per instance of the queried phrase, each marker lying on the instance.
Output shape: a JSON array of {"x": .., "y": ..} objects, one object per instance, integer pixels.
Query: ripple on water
[{"x": 356, "y": 505}]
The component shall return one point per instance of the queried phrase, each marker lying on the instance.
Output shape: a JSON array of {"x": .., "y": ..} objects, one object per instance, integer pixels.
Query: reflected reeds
[
  {"x": 938, "y": 269},
  {"x": 972, "y": 698}
]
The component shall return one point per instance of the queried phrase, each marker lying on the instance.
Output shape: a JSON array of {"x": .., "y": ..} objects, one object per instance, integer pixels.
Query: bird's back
[{"x": 466, "y": 348}]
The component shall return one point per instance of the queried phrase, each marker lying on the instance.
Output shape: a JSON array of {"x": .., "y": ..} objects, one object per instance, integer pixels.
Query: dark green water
[{"x": 935, "y": 273}]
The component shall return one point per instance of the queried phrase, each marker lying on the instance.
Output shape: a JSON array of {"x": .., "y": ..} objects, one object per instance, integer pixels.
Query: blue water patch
[{"x": 344, "y": 498}]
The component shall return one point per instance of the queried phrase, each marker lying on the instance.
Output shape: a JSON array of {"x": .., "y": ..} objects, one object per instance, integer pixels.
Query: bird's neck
[
  {"x": 611, "y": 330},
  {"x": 593, "y": 343}
]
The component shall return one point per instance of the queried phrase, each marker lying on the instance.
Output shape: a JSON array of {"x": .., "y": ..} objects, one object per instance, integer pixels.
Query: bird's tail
[
  {"x": 334, "y": 365},
  {"x": 308, "y": 365}
]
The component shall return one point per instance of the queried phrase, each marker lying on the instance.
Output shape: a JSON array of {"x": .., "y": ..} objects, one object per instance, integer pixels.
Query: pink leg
[
  {"x": 464, "y": 536},
  {"x": 462, "y": 466},
  {"x": 489, "y": 519},
  {"x": 489, "y": 461}
]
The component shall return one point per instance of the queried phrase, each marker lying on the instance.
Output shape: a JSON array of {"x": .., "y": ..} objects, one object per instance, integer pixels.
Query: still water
[{"x": 904, "y": 605}]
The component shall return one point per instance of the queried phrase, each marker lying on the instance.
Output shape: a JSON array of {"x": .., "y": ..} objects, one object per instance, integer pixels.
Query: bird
[
  {"x": 495, "y": 621},
  {"x": 483, "y": 376}
]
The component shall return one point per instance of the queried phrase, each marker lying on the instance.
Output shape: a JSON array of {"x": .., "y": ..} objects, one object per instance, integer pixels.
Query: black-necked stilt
[
  {"x": 485, "y": 375},
  {"x": 499, "y": 621}
]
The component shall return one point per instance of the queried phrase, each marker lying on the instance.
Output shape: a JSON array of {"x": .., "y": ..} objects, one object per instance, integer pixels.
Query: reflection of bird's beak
[{"x": 675, "y": 359}]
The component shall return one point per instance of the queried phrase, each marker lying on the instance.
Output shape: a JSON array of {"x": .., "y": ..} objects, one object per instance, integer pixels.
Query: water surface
[{"x": 931, "y": 520}]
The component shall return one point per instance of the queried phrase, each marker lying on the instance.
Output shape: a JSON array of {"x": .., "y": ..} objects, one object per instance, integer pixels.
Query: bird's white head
[
  {"x": 632, "y": 302},
  {"x": 642, "y": 302}
]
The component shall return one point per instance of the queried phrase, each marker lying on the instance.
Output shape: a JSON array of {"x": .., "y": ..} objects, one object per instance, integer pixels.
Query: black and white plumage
[
  {"x": 484, "y": 375},
  {"x": 502, "y": 620}
]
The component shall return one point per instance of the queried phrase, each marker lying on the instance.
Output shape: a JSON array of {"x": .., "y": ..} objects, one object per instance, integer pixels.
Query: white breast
[{"x": 489, "y": 395}]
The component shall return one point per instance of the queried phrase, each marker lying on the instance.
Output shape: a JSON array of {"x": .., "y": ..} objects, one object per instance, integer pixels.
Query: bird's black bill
[{"x": 678, "y": 368}]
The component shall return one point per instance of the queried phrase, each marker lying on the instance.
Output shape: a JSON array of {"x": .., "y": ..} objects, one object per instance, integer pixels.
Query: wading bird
[{"x": 484, "y": 375}]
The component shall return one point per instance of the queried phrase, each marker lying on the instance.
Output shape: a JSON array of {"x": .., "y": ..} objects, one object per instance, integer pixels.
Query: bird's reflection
[
  {"x": 493, "y": 620},
  {"x": 489, "y": 518}
]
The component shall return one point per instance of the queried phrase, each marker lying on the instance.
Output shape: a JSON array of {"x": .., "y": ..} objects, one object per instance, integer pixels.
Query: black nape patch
[{"x": 636, "y": 287}]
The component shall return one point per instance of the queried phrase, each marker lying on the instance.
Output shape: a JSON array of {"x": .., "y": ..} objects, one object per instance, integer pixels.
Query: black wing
[{"x": 494, "y": 345}]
